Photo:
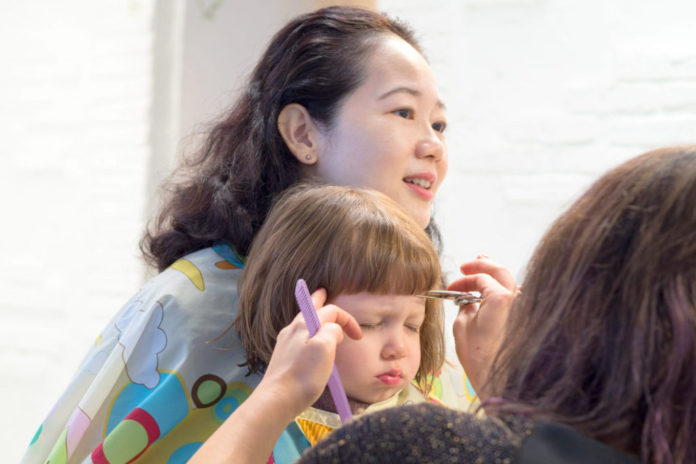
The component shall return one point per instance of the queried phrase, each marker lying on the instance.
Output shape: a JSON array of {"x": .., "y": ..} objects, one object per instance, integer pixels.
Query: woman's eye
[
  {"x": 368, "y": 326},
  {"x": 440, "y": 126},
  {"x": 404, "y": 113}
]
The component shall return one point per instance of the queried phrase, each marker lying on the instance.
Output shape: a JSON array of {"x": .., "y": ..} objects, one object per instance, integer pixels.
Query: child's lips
[{"x": 391, "y": 378}]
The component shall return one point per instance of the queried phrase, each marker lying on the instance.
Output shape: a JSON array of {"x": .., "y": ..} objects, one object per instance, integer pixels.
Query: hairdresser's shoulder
[{"x": 423, "y": 433}]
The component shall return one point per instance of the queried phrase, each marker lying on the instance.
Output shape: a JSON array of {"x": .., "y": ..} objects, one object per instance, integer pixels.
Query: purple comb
[{"x": 304, "y": 300}]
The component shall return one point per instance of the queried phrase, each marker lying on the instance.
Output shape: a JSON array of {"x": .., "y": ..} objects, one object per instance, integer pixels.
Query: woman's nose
[{"x": 430, "y": 145}]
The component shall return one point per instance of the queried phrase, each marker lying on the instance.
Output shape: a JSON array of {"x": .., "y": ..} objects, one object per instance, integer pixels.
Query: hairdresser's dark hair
[
  {"x": 343, "y": 239},
  {"x": 316, "y": 60},
  {"x": 603, "y": 336}
]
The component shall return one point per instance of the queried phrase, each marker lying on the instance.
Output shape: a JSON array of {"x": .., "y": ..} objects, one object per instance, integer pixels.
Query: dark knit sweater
[
  {"x": 422, "y": 433},
  {"x": 425, "y": 433}
]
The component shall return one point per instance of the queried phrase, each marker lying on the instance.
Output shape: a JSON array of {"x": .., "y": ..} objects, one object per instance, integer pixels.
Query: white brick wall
[
  {"x": 83, "y": 152},
  {"x": 543, "y": 95},
  {"x": 75, "y": 92}
]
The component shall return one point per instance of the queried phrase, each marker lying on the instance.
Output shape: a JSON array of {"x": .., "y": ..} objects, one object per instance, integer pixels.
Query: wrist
[{"x": 278, "y": 401}]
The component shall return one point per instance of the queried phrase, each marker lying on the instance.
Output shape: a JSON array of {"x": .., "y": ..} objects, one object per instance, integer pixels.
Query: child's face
[{"x": 387, "y": 358}]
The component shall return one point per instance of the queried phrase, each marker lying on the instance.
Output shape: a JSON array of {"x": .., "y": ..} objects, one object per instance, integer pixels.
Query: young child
[{"x": 373, "y": 260}]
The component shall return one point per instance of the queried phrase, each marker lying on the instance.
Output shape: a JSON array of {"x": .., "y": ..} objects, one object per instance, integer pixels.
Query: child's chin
[{"x": 383, "y": 396}]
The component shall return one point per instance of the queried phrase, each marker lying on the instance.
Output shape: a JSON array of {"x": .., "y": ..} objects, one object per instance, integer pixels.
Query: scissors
[{"x": 459, "y": 298}]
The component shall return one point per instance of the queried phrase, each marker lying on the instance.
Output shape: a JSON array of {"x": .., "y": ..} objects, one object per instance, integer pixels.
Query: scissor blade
[{"x": 459, "y": 298}]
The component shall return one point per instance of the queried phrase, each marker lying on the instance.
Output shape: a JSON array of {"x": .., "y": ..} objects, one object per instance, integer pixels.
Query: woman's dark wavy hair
[
  {"x": 316, "y": 60},
  {"x": 603, "y": 336}
]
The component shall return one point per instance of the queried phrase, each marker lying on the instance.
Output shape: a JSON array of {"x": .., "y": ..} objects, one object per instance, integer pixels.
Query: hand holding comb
[{"x": 304, "y": 300}]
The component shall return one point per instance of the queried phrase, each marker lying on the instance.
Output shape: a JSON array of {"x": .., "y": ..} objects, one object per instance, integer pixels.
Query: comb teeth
[{"x": 306, "y": 307}]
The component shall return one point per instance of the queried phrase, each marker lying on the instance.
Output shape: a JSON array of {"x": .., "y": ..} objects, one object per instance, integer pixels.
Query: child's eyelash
[{"x": 411, "y": 327}]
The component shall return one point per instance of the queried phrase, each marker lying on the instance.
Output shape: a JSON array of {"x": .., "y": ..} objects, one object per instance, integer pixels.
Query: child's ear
[{"x": 300, "y": 132}]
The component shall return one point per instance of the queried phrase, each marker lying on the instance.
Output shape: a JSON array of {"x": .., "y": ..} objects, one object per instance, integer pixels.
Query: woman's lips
[
  {"x": 422, "y": 184},
  {"x": 390, "y": 378},
  {"x": 423, "y": 193}
]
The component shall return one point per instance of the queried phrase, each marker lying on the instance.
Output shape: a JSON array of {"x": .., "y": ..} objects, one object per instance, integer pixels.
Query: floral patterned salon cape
[{"x": 153, "y": 388}]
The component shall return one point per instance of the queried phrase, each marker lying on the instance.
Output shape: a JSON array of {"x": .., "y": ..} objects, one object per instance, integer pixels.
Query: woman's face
[{"x": 388, "y": 134}]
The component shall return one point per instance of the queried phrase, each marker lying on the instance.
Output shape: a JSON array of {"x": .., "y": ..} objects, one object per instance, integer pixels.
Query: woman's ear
[{"x": 300, "y": 132}]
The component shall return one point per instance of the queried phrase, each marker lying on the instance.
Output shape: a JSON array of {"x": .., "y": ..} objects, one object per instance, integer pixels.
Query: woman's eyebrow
[
  {"x": 407, "y": 90},
  {"x": 410, "y": 91}
]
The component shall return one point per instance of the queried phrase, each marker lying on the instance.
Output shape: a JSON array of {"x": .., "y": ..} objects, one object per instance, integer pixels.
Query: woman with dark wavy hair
[
  {"x": 596, "y": 361},
  {"x": 341, "y": 96}
]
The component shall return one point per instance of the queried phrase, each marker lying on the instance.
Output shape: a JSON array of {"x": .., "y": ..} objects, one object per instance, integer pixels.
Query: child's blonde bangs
[{"x": 362, "y": 262}]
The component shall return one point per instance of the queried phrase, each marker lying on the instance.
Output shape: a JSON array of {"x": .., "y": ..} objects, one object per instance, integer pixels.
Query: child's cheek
[
  {"x": 414, "y": 359},
  {"x": 347, "y": 354}
]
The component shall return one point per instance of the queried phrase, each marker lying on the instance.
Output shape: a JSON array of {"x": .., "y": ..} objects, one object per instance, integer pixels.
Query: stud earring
[{"x": 308, "y": 157}]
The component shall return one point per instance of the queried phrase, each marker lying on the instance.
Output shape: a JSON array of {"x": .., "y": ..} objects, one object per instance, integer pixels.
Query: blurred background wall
[{"x": 98, "y": 100}]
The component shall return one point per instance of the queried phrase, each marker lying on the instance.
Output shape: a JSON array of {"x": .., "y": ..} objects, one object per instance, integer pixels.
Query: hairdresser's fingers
[
  {"x": 493, "y": 311},
  {"x": 485, "y": 284},
  {"x": 298, "y": 324},
  {"x": 327, "y": 315},
  {"x": 478, "y": 333},
  {"x": 330, "y": 334},
  {"x": 494, "y": 307},
  {"x": 484, "y": 265},
  {"x": 469, "y": 309},
  {"x": 342, "y": 318},
  {"x": 300, "y": 366},
  {"x": 319, "y": 298}
]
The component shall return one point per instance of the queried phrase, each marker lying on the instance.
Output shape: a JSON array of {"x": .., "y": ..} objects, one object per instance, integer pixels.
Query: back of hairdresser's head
[
  {"x": 316, "y": 60},
  {"x": 603, "y": 336},
  {"x": 345, "y": 240}
]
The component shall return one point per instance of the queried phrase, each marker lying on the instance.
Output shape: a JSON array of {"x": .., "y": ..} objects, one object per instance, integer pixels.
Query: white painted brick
[
  {"x": 545, "y": 95},
  {"x": 74, "y": 111},
  {"x": 542, "y": 95}
]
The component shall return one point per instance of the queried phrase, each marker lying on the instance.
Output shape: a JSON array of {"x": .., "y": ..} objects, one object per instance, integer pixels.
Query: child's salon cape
[{"x": 153, "y": 389}]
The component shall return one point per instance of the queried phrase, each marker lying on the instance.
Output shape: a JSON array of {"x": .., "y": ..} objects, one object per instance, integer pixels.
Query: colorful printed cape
[{"x": 153, "y": 388}]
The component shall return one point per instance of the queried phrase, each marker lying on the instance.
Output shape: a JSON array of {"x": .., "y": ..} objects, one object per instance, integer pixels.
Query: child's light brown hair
[{"x": 346, "y": 240}]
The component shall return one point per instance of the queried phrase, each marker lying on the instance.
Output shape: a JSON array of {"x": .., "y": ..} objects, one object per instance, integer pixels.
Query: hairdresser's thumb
[{"x": 319, "y": 298}]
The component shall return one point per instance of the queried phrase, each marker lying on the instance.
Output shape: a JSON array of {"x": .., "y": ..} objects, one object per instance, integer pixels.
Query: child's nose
[{"x": 394, "y": 346}]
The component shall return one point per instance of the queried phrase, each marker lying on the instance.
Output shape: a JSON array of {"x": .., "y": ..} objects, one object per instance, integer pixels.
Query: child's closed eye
[
  {"x": 366, "y": 326},
  {"x": 412, "y": 327}
]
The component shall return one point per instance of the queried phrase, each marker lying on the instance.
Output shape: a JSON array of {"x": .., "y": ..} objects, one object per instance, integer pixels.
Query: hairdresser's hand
[
  {"x": 479, "y": 328},
  {"x": 300, "y": 366},
  {"x": 296, "y": 375}
]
